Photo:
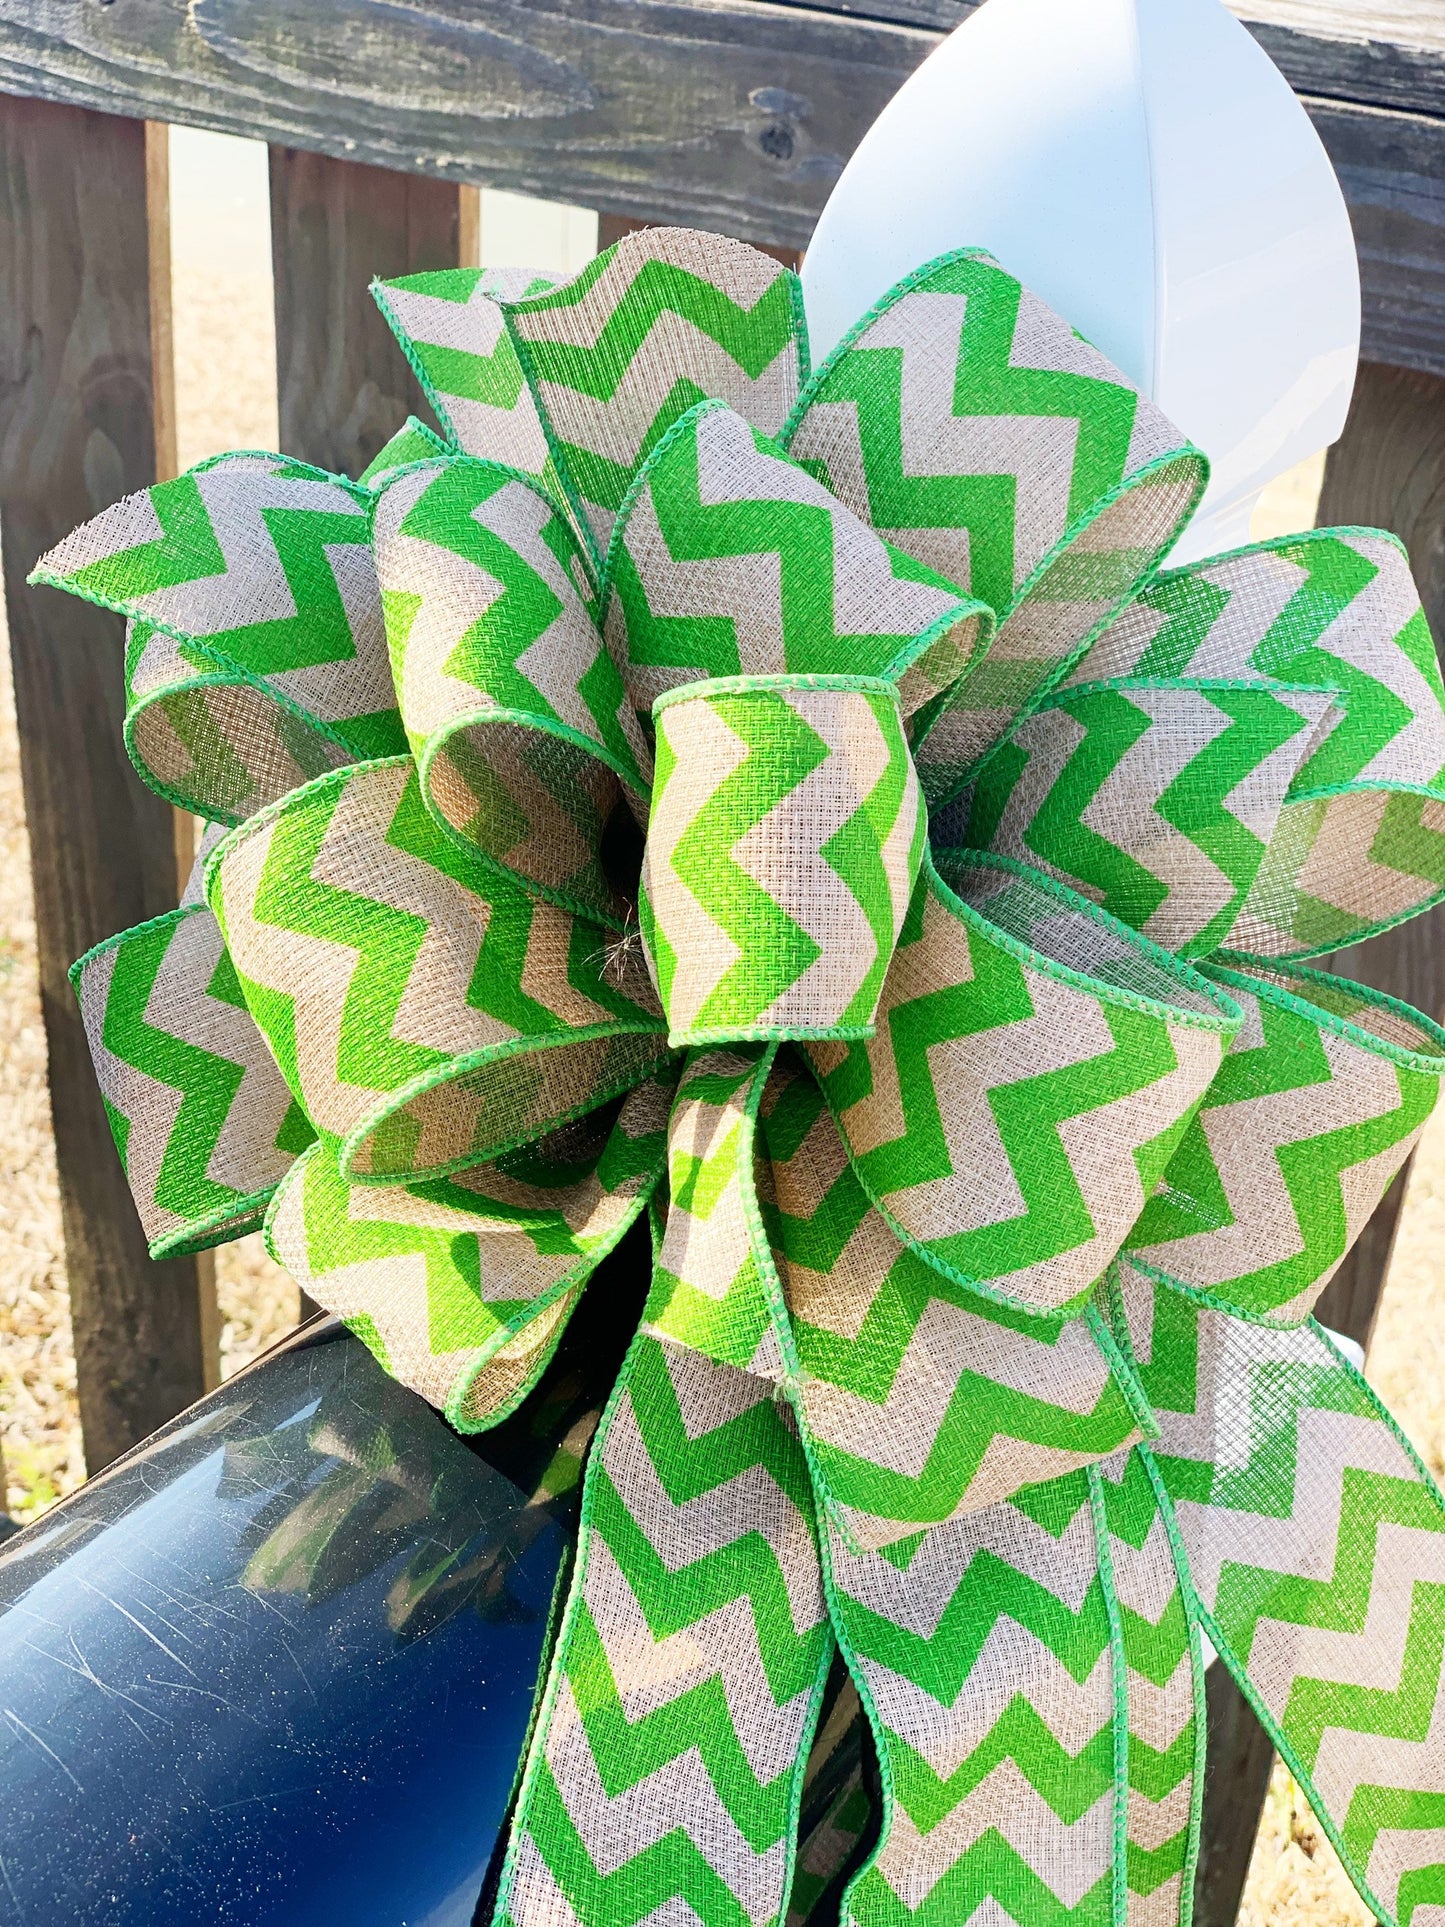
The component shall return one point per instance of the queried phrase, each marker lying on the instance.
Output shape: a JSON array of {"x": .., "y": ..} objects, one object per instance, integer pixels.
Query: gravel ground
[{"x": 223, "y": 321}]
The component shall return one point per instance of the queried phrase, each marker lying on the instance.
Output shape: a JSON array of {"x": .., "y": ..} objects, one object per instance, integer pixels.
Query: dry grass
[{"x": 223, "y": 323}]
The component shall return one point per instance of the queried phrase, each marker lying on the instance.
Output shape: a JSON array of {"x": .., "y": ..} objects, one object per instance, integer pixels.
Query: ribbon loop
[
  {"x": 973, "y": 1728},
  {"x": 919, "y": 1400},
  {"x": 712, "y": 1290},
  {"x": 204, "y": 1123},
  {"x": 582, "y": 380},
  {"x": 968, "y": 1184},
  {"x": 1319, "y": 1102},
  {"x": 426, "y": 1016},
  {"x": 970, "y": 424},
  {"x": 462, "y": 1286},
  {"x": 1034, "y": 1063},
  {"x": 1315, "y": 1543},
  {"x": 785, "y": 838},
  {"x": 1360, "y": 843},
  {"x": 1156, "y": 797},
  {"x": 729, "y": 559},
  {"x": 257, "y": 656},
  {"x": 514, "y": 710}
]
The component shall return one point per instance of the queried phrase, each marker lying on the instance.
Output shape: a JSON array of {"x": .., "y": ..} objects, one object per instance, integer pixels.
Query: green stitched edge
[
  {"x": 233, "y": 674},
  {"x": 1119, "y": 1884},
  {"x": 1122, "y": 1369},
  {"x": 765, "y": 685},
  {"x": 1414, "y": 1060},
  {"x": 888, "y": 1800},
  {"x": 1229, "y": 1017},
  {"x": 1228, "y": 1022},
  {"x": 441, "y": 447},
  {"x": 1068, "y": 663},
  {"x": 535, "y": 1755},
  {"x": 221, "y": 1227},
  {"x": 1273, "y": 543},
  {"x": 379, "y": 293},
  {"x": 641, "y": 477},
  {"x": 807, "y": 393},
  {"x": 1271, "y": 684},
  {"x": 182, "y": 910},
  {"x": 1197, "y": 1671},
  {"x": 584, "y": 907},
  {"x": 357, "y": 490},
  {"x": 349, "y": 1147}
]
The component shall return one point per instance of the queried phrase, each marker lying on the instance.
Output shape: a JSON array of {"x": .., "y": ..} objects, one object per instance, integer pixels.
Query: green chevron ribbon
[{"x": 800, "y": 806}]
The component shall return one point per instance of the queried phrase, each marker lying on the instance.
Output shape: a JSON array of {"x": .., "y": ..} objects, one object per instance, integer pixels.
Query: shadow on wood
[
  {"x": 76, "y": 432},
  {"x": 1235, "y": 1782},
  {"x": 1388, "y": 471},
  {"x": 343, "y": 385}
]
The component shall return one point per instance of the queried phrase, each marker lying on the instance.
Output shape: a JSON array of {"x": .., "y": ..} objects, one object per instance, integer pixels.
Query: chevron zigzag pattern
[
  {"x": 1316, "y": 1548},
  {"x": 975, "y": 430},
  {"x": 608, "y": 361},
  {"x": 785, "y": 838},
  {"x": 664, "y": 319},
  {"x": 453, "y": 330},
  {"x": 668, "y": 1762},
  {"x": 1319, "y": 1102},
  {"x": 986, "y": 1651},
  {"x": 1164, "y": 1691},
  {"x": 398, "y": 1000},
  {"x": 711, "y": 1282},
  {"x": 723, "y": 559},
  {"x": 1157, "y": 799},
  {"x": 464, "y": 1284},
  {"x": 1360, "y": 842},
  {"x": 257, "y": 572},
  {"x": 919, "y": 1400},
  {"x": 1012, "y": 1125},
  {"x": 201, "y": 1117},
  {"x": 514, "y": 709},
  {"x": 909, "y": 1100}
]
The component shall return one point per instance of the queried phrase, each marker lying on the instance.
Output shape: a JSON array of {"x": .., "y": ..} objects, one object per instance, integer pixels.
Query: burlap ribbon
[{"x": 801, "y": 804}]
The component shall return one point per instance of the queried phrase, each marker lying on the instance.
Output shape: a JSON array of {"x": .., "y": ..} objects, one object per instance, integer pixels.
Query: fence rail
[{"x": 732, "y": 114}]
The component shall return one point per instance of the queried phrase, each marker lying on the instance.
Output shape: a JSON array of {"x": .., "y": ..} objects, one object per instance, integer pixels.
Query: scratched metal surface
[{"x": 278, "y": 1664}]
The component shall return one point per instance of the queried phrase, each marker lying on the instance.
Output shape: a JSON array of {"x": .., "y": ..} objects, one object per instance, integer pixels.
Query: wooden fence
[{"x": 730, "y": 114}]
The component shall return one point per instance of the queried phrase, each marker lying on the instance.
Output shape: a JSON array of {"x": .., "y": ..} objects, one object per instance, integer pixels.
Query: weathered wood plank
[
  {"x": 1388, "y": 470},
  {"x": 76, "y": 431},
  {"x": 735, "y": 114},
  {"x": 1379, "y": 55},
  {"x": 343, "y": 386},
  {"x": 1392, "y": 169},
  {"x": 1236, "y": 1779},
  {"x": 738, "y": 115}
]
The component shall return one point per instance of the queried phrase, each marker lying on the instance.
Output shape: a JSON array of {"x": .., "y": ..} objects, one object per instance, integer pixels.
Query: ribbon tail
[
  {"x": 1164, "y": 1691},
  {"x": 668, "y": 1758},
  {"x": 987, "y": 1654},
  {"x": 1316, "y": 1548}
]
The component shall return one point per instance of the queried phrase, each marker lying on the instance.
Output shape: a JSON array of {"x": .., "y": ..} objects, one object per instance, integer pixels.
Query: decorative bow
[{"x": 951, "y": 1021}]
